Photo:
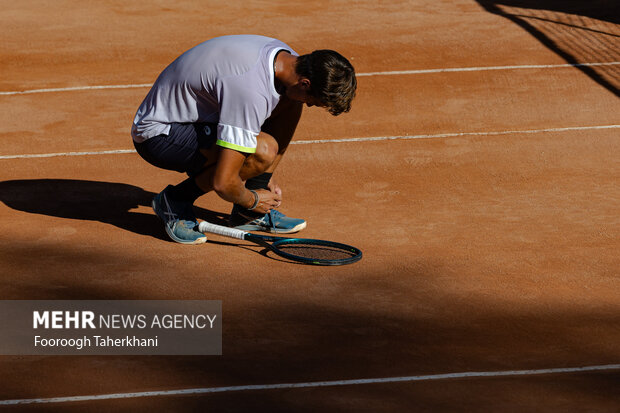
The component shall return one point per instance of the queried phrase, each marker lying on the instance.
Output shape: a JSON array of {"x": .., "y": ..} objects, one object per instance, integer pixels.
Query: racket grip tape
[{"x": 220, "y": 230}]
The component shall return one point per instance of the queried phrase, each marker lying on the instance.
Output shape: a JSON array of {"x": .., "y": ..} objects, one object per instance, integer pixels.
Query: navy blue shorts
[{"x": 180, "y": 149}]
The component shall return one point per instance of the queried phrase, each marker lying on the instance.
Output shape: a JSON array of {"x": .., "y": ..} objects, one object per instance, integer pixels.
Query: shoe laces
[
  {"x": 275, "y": 214},
  {"x": 187, "y": 223}
]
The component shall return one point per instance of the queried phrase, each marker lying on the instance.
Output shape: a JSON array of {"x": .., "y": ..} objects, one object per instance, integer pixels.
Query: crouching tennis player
[{"x": 224, "y": 113}]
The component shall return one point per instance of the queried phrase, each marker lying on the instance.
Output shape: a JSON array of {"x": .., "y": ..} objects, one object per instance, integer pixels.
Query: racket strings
[{"x": 318, "y": 252}]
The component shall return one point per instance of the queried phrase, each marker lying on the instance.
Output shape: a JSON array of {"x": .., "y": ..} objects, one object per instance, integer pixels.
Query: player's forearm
[
  {"x": 226, "y": 180},
  {"x": 233, "y": 190}
]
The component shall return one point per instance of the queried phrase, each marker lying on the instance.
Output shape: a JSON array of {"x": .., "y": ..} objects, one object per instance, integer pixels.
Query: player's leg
[
  {"x": 201, "y": 181},
  {"x": 256, "y": 171},
  {"x": 179, "y": 151},
  {"x": 277, "y": 133}
]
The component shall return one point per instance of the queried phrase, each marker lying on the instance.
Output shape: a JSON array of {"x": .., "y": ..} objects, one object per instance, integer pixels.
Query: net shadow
[{"x": 578, "y": 31}]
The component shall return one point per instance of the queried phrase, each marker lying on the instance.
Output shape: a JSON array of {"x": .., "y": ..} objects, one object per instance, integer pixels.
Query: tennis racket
[{"x": 304, "y": 250}]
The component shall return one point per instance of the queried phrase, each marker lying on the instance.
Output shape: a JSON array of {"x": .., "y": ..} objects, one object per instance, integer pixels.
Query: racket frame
[{"x": 272, "y": 242}]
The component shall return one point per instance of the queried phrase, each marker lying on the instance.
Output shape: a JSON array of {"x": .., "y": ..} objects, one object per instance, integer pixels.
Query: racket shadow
[
  {"x": 266, "y": 251},
  {"x": 257, "y": 249}
]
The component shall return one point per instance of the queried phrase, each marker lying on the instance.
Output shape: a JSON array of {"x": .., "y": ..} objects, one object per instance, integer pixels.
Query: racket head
[
  {"x": 304, "y": 250},
  {"x": 316, "y": 252}
]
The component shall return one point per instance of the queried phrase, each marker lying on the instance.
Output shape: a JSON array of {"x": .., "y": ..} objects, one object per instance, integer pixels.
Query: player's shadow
[
  {"x": 108, "y": 202},
  {"x": 570, "y": 29}
]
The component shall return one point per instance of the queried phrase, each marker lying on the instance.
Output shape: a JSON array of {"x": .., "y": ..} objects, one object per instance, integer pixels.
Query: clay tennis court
[{"x": 478, "y": 171}]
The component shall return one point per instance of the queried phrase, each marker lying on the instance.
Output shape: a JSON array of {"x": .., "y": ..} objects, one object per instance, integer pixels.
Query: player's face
[
  {"x": 313, "y": 101},
  {"x": 301, "y": 93}
]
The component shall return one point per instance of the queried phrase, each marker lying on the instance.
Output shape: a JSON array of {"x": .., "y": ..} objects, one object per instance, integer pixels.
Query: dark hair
[{"x": 332, "y": 79}]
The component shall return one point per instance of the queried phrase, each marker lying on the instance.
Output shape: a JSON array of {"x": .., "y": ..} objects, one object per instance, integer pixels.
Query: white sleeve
[{"x": 242, "y": 113}]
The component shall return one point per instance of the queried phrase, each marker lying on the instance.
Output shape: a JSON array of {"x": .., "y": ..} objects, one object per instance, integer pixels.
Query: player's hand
[
  {"x": 267, "y": 200},
  {"x": 275, "y": 188}
]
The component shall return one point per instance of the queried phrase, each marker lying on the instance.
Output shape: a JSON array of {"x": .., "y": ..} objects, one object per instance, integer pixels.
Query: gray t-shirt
[{"x": 226, "y": 80}]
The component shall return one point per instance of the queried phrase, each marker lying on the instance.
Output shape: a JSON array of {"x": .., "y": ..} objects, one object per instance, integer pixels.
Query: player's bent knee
[{"x": 266, "y": 152}]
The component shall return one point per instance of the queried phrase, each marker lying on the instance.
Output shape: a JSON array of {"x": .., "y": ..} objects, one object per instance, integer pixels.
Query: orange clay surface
[{"x": 482, "y": 252}]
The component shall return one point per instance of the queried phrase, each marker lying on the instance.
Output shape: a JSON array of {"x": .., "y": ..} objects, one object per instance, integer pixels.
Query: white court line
[
  {"x": 51, "y": 155},
  {"x": 388, "y": 73},
  {"x": 205, "y": 390},
  {"x": 76, "y": 88},
  {"x": 369, "y": 139},
  {"x": 484, "y": 68},
  {"x": 457, "y": 134}
]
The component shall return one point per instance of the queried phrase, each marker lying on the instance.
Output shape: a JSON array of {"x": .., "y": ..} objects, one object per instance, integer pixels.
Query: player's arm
[
  {"x": 239, "y": 107},
  {"x": 229, "y": 186}
]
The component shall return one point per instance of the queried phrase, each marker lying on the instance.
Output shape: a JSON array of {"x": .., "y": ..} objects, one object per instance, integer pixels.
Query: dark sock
[
  {"x": 186, "y": 191},
  {"x": 259, "y": 182}
]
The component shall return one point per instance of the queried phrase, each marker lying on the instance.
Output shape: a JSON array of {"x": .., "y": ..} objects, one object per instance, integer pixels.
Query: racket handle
[{"x": 220, "y": 230}]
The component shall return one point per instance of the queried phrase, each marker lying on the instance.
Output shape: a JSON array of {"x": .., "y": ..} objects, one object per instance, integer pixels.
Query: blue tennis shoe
[
  {"x": 275, "y": 221},
  {"x": 179, "y": 219}
]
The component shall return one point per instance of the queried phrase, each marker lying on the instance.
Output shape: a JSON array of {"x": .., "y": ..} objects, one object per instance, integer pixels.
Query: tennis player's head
[{"x": 327, "y": 79}]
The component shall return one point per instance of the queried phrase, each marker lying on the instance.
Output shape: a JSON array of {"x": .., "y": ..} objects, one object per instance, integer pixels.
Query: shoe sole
[{"x": 197, "y": 241}]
